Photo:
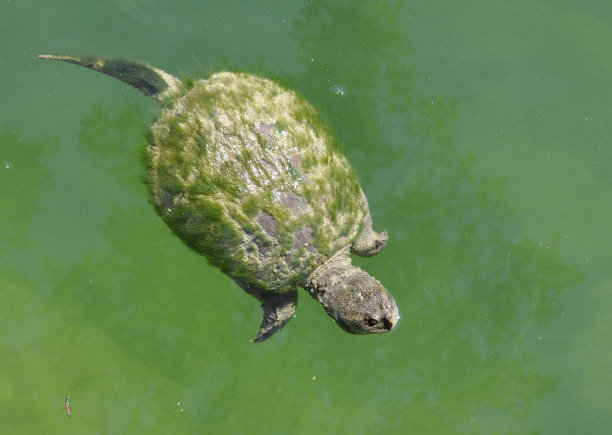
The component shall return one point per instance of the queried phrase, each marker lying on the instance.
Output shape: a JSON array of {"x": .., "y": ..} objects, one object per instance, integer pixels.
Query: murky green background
[{"x": 481, "y": 133}]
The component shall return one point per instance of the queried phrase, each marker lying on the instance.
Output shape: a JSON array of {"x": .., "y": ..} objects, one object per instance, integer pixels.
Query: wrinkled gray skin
[{"x": 357, "y": 302}]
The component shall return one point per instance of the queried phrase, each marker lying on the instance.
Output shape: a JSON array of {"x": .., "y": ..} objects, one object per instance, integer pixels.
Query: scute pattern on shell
[{"x": 244, "y": 172}]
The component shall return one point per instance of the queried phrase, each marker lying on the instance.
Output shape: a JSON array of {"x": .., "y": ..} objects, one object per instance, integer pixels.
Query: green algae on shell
[
  {"x": 246, "y": 174},
  {"x": 228, "y": 155}
]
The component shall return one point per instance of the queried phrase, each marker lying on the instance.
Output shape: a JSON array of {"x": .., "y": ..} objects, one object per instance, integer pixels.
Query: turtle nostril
[{"x": 388, "y": 324}]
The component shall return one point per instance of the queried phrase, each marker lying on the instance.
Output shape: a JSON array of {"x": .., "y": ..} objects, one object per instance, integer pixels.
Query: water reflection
[{"x": 474, "y": 294}]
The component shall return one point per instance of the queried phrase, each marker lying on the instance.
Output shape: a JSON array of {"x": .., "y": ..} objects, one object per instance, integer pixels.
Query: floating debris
[{"x": 67, "y": 406}]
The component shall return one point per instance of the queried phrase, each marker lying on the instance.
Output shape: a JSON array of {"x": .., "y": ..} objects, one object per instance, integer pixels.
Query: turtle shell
[{"x": 245, "y": 173}]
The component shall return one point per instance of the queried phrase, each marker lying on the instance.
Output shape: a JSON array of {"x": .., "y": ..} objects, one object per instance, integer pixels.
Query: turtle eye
[{"x": 372, "y": 321}]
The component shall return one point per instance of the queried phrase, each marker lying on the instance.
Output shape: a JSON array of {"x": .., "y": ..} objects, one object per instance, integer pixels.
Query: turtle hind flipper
[
  {"x": 153, "y": 82},
  {"x": 278, "y": 310}
]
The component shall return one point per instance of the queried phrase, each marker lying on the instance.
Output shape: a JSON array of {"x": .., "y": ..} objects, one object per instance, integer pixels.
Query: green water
[{"x": 480, "y": 132}]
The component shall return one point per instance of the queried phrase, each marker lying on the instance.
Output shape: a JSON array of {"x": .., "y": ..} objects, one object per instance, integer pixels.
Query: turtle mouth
[
  {"x": 369, "y": 325},
  {"x": 350, "y": 327}
]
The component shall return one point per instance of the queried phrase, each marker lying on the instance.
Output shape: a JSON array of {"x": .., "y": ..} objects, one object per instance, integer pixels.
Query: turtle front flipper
[
  {"x": 278, "y": 309},
  {"x": 369, "y": 242},
  {"x": 153, "y": 82}
]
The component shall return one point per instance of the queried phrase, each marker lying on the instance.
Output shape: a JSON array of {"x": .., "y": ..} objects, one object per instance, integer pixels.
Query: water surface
[{"x": 480, "y": 132}]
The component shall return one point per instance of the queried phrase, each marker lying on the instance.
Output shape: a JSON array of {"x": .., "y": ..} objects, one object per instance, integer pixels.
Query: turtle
[{"x": 244, "y": 171}]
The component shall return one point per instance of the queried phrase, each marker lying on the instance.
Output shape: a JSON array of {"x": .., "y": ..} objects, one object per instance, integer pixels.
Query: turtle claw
[{"x": 278, "y": 310}]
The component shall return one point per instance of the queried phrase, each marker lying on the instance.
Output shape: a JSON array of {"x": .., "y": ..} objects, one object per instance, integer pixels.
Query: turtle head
[
  {"x": 357, "y": 302},
  {"x": 361, "y": 305}
]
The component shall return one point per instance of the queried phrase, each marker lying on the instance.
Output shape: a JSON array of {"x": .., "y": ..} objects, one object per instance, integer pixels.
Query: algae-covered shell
[{"x": 243, "y": 171}]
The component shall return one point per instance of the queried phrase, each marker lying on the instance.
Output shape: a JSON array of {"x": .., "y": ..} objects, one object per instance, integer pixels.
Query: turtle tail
[{"x": 151, "y": 81}]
